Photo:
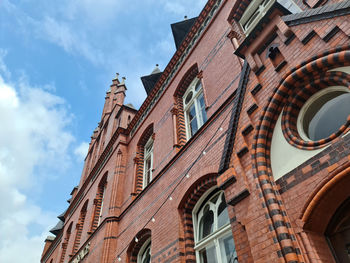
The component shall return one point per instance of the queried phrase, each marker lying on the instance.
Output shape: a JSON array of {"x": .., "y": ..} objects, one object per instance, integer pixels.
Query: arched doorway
[{"x": 338, "y": 233}]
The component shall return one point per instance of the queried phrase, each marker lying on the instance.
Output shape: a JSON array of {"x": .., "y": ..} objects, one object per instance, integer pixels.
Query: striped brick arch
[
  {"x": 179, "y": 92},
  {"x": 306, "y": 87},
  {"x": 299, "y": 84},
  {"x": 186, "y": 207},
  {"x": 134, "y": 247},
  {"x": 148, "y": 132}
]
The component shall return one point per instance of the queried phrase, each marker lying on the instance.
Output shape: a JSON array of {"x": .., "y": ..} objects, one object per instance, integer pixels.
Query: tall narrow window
[
  {"x": 79, "y": 228},
  {"x": 213, "y": 237},
  {"x": 65, "y": 242},
  {"x": 148, "y": 163},
  {"x": 194, "y": 108},
  {"x": 144, "y": 256},
  {"x": 101, "y": 208},
  {"x": 98, "y": 204}
]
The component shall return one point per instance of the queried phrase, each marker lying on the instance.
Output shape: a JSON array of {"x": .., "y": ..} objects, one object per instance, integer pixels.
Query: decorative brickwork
[
  {"x": 135, "y": 247},
  {"x": 98, "y": 203},
  {"x": 288, "y": 59},
  {"x": 191, "y": 198},
  {"x": 65, "y": 242},
  {"x": 79, "y": 228}
]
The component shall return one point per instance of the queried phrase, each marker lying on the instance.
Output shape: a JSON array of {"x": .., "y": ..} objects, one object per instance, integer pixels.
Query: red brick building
[{"x": 240, "y": 152}]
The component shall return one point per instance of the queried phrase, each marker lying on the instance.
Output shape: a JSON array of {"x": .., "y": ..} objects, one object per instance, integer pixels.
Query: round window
[{"x": 324, "y": 113}]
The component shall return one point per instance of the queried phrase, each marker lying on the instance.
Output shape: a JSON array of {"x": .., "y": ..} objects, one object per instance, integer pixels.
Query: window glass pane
[
  {"x": 198, "y": 85},
  {"x": 208, "y": 254},
  {"x": 227, "y": 250},
  {"x": 330, "y": 117},
  {"x": 188, "y": 97},
  {"x": 192, "y": 118},
  {"x": 206, "y": 223},
  {"x": 146, "y": 257},
  {"x": 223, "y": 218},
  {"x": 191, "y": 113},
  {"x": 147, "y": 171},
  {"x": 194, "y": 126},
  {"x": 215, "y": 198},
  {"x": 202, "y": 107}
]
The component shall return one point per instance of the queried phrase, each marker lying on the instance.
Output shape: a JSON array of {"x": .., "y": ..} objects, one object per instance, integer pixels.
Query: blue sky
[{"x": 57, "y": 60}]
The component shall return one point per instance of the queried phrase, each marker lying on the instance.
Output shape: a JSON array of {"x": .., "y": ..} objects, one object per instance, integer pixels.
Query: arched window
[
  {"x": 98, "y": 204},
  {"x": 212, "y": 229},
  {"x": 194, "y": 108},
  {"x": 147, "y": 162},
  {"x": 338, "y": 233},
  {"x": 139, "y": 250},
  {"x": 144, "y": 159},
  {"x": 189, "y": 111},
  {"x": 65, "y": 242},
  {"x": 144, "y": 255},
  {"x": 79, "y": 227}
]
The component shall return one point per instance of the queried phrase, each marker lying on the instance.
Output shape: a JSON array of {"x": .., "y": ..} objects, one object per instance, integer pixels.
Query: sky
[{"x": 57, "y": 60}]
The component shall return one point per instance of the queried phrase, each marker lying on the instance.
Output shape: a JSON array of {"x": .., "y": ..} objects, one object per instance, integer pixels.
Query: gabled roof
[
  {"x": 57, "y": 228},
  {"x": 61, "y": 216},
  {"x": 150, "y": 81},
  {"x": 180, "y": 30}
]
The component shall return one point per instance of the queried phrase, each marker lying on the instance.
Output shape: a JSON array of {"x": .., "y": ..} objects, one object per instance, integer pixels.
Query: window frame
[
  {"x": 309, "y": 103},
  {"x": 148, "y": 155},
  {"x": 143, "y": 249},
  {"x": 254, "y": 9},
  {"x": 195, "y": 100},
  {"x": 217, "y": 234}
]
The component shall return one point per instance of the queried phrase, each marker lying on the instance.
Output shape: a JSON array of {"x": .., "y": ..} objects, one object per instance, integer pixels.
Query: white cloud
[
  {"x": 34, "y": 144},
  {"x": 81, "y": 151},
  {"x": 69, "y": 38},
  {"x": 3, "y": 67}
]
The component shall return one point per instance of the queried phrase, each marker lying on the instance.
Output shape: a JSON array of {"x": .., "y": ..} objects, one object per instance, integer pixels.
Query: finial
[
  {"x": 185, "y": 17},
  {"x": 155, "y": 70},
  {"x": 123, "y": 80},
  {"x": 116, "y": 76}
]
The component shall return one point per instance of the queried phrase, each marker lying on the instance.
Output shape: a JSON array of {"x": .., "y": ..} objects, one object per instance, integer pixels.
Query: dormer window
[
  {"x": 254, "y": 12},
  {"x": 257, "y": 9},
  {"x": 194, "y": 108}
]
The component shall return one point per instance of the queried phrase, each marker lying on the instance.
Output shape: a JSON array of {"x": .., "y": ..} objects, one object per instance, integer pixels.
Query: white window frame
[
  {"x": 148, "y": 155},
  {"x": 218, "y": 233},
  {"x": 193, "y": 101},
  {"x": 254, "y": 13},
  {"x": 309, "y": 103},
  {"x": 145, "y": 246},
  {"x": 257, "y": 9}
]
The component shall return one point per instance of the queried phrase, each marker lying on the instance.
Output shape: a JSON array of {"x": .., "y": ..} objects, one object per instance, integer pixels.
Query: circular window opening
[{"x": 324, "y": 113}]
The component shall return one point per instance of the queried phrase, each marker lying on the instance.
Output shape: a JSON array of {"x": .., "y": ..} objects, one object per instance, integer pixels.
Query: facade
[{"x": 240, "y": 152}]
